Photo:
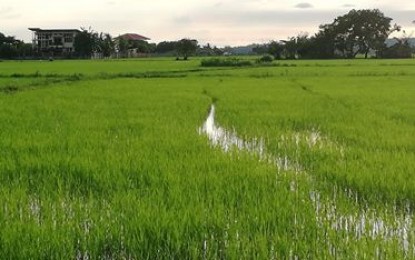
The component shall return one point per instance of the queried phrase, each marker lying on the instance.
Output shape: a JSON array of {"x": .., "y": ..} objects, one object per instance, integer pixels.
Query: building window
[
  {"x": 68, "y": 37},
  {"x": 58, "y": 41}
]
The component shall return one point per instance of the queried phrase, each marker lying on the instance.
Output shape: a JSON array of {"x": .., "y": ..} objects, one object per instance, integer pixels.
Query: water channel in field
[{"x": 385, "y": 225}]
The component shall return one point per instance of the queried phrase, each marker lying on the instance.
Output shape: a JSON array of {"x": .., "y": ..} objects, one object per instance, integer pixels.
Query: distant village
[
  {"x": 86, "y": 43},
  {"x": 359, "y": 33}
]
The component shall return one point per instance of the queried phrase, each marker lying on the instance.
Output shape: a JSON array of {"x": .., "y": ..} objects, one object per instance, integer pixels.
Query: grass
[{"x": 102, "y": 159}]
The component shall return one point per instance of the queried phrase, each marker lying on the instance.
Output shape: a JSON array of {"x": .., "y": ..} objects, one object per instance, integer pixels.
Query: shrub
[
  {"x": 265, "y": 59},
  {"x": 229, "y": 62}
]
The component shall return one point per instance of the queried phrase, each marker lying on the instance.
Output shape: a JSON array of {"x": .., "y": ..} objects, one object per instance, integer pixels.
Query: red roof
[{"x": 133, "y": 37}]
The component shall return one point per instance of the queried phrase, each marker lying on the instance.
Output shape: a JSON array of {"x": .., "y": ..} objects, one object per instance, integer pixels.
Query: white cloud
[
  {"x": 216, "y": 21},
  {"x": 304, "y": 5}
]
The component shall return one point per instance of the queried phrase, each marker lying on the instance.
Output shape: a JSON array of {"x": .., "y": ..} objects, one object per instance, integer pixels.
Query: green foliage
[
  {"x": 164, "y": 47},
  {"x": 186, "y": 48},
  {"x": 225, "y": 62},
  {"x": 86, "y": 42},
  {"x": 400, "y": 50},
  {"x": 360, "y": 31},
  {"x": 105, "y": 44},
  {"x": 265, "y": 59},
  {"x": 261, "y": 49},
  {"x": 276, "y": 49},
  {"x": 122, "y": 44},
  {"x": 11, "y": 48}
]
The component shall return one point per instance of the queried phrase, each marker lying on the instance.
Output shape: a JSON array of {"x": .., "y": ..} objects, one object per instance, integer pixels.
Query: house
[
  {"x": 51, "y": 42},
  {"x": 131, "y": 45},
  {"x": 133, "y": 37}
]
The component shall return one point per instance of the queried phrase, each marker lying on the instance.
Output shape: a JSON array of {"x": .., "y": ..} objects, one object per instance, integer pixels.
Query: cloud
[
  {"x": 413, "y": 21},
  {"x": 7, "y": 13},
  {"x": 182, "y": 20},
  {"x": 5, "y": 10},
  {"x": 12, "y": 16},
  {"x": 348, "y": 5},
  {"x": 303, "y": 5},
  {"x": 259, "y": 18},
  {"x": 218, "y": 4}
]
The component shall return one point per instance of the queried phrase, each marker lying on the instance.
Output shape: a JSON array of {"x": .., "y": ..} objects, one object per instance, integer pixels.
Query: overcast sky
[{"x": 219, "y": 22}]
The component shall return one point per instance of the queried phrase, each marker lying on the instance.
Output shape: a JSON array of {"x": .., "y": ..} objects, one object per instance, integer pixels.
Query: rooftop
[
  {"x": 133, "y": 37},
  {"x": 53, "y": 30}
]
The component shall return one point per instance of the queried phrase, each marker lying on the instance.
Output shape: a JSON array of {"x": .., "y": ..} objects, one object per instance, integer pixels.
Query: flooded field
[{"x": 157, "y": 159}]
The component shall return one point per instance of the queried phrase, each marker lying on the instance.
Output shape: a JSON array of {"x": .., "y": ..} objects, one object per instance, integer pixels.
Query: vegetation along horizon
[{"x": 164, "y": 159}]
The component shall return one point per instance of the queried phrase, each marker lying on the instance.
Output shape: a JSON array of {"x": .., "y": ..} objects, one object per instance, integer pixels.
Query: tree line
[
  {"x": 11, "y": 48},
  {"x": 359, "y": 32},
  {"x": 88, "y": 42}
]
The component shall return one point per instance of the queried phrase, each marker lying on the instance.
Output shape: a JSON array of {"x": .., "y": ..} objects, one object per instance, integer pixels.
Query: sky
[{"x": 218, "y": 22}]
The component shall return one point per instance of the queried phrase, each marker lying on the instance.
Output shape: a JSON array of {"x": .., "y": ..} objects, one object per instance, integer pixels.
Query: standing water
[{"x": 364, "y": 224}]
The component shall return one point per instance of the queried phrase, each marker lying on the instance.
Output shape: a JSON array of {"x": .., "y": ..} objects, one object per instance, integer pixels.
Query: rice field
[{"x": 159, "y": 159}]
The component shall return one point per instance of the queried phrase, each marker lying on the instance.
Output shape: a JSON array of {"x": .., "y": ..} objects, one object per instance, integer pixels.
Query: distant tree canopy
[
  {"x": 166, "y": 46},
  {"x": 141, "y": 45},
  {"x": 105, "y": 44},
  {"x": 8, "y": 48},
  {"x": 11, "y": 48},
  {"x": 357, "y": 32},
  {"x": 86, "y": 42},
  {"x": 207, "y": 50},
  {"x": 186, "y": 48},
  {"x": 401, "y": 49},
  {"x": 360, "y": 31}
]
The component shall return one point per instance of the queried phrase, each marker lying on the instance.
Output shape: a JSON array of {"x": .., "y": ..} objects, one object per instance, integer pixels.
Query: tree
[
  {"x": 140, "y": 45},
  {"x": 86, "y": 42},
  {"x": 400, "y": 50},
  {"x": 290, "y": 48},
  {"x": 166, "y": 46},
  {"x": 261, "y": 49},
  {"x": 276, "y": 49},
  {"x": 305, "y": 46},
  {"x": 122, "y": 45},
  {"x": 360, "y": 31},
  {"x": 8, "y": 46},
  {"x": 186, "y": 47},
  {"x": 322, "y": 44},
  {"x": 105, "y": 44},
  {"x": 24, "y": 50}
]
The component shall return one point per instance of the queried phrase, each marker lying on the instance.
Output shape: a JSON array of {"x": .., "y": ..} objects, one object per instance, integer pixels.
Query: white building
[{"x": 54, "y": 41}]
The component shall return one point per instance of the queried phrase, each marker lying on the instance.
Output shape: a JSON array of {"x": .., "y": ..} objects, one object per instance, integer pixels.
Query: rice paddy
[{"x": 159, "y": 159}]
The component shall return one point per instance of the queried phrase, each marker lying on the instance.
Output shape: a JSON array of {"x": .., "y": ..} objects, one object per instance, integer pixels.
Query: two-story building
[{"x": 54, "y": 41}]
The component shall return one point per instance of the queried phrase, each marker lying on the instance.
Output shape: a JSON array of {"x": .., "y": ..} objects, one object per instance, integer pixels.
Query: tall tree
[
  {"x": 276, "y": 49},
  {"x": 86, "y": 42},
  {"x": 186, "y": 47},
  {"x": 8, "y": 46},
  {"x": 105, "y": 44},
  {"x": 360, "y": 31},
  {"x": 290, "y": 48},
  {"x": 166, "y": 46}
]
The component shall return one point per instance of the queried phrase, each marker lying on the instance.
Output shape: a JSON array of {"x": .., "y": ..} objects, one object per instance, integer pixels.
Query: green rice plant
[{"x": 103, "y": 159}]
